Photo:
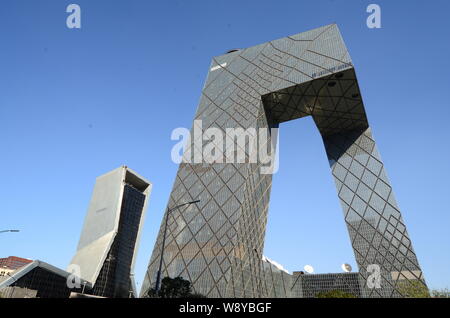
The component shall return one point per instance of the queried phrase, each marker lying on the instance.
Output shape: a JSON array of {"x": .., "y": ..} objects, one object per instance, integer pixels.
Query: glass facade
[
  {"x": 114, "y": 278},
  {"x": 215, "y": 244},
  {"x": 46, "y": 283},
  {"x": 277, "y": 282},
  {"x": 311, "y": 285},
  {"x": 108, "y": 244}
]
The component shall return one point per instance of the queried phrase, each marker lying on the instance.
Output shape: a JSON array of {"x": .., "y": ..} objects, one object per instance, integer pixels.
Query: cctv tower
[{"x": 217, "y": 244}]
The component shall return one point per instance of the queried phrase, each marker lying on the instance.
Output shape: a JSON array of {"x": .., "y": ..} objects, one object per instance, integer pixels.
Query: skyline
[{"x": 67, "y": 92}]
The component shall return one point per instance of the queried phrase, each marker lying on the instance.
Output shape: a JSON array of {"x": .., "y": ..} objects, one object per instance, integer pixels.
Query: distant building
[
  {"x": 107, "y": 248},
  {"x": 310, "y": 285},
  {"x": 279, "y": 283},
  {"x": 11, "y": 263}
]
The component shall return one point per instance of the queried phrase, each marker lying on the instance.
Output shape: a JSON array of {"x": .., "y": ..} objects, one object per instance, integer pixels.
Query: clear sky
[{"x": 75, "y": 104}]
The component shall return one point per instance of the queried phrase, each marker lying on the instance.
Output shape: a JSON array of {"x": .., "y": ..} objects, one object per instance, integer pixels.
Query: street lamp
[
  {"x": 9, "y": 231},
  {"x": 158, "y": 277},
  {"x": 13, "y": 289},
  {"x": 259, "y": 259}
]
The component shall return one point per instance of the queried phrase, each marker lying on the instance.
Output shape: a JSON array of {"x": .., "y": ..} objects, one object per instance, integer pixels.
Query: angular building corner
[
  {"x": 217, "y": 244},
  {"x": 108, "y": 245}
]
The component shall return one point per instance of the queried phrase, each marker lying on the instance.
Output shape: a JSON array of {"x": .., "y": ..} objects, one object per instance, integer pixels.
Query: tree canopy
[
  {"x": 177, "y": 287},
  {"x": 334, "y": 294}
]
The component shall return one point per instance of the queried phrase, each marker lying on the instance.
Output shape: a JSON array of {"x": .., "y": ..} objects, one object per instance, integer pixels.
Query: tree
[
  {"x": 413, "y": 289},
  {"x": 440, "y": 293},
  {"x": 174, "y": 288},
  {"x": 335, "y": 294}
]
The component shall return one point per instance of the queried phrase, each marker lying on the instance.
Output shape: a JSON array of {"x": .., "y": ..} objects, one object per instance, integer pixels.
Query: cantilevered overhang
[{"x": 333, "y": 100}]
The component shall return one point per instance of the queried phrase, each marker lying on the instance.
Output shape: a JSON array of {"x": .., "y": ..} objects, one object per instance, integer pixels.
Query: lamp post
[
  {"x": 158, "y": 277},
  {"x": 9, "y": 231},
  {"x": 13, "y": 288},
  {"x": 259, "y": 259}
]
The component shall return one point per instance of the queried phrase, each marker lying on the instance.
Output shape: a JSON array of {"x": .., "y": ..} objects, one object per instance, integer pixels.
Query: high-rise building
[
  {"x": 216, "y": 243},
  {"x": 109, "y": 240}
]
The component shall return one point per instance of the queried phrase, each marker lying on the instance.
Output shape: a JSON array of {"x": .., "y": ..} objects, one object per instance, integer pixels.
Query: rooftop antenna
[
  {"x": 309, "y": 269},
  {"x": 346, "y": 268}
]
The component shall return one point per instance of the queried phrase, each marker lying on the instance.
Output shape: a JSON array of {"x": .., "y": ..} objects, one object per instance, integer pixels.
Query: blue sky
[{"x": 75, "y": 104}]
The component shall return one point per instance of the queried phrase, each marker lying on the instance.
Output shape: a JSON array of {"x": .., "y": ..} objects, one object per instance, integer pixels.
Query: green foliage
[
  {"x": 335, "y": 294},
  {"x": 174, "y": 288},
  {"x": 440, "y": 293},
  {"x": 413, "y": 289}
]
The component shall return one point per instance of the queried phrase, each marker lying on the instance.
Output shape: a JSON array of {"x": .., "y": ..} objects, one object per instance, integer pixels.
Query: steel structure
[{"x": 218, "y": 244}]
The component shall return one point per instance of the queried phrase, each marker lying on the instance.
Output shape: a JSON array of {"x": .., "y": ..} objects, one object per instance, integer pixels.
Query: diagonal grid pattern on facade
[{"x": 218, "y": 244}]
